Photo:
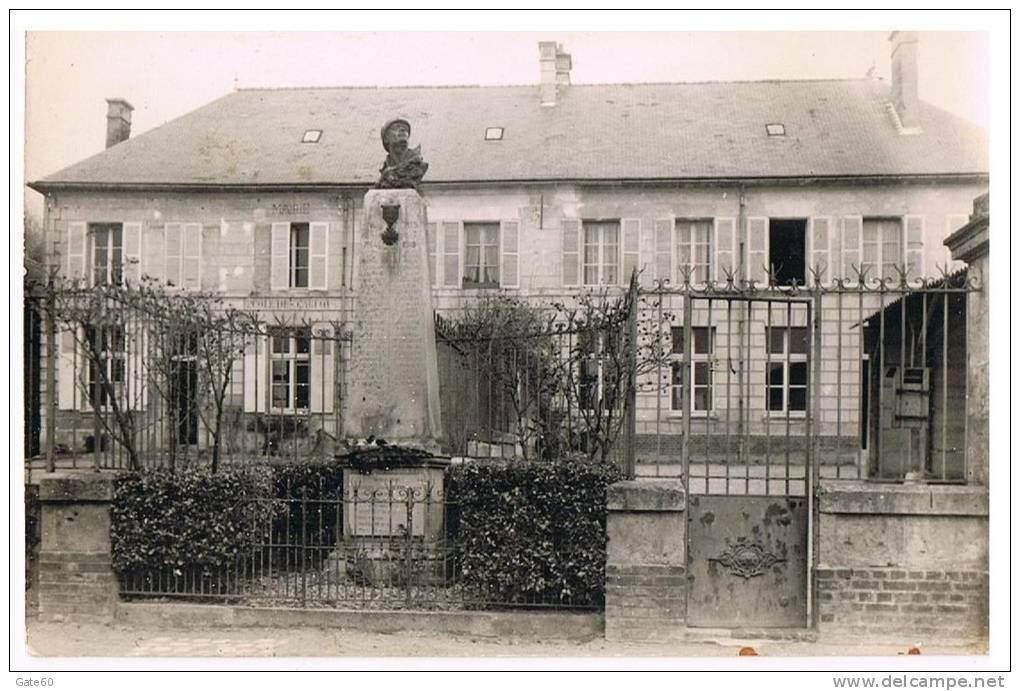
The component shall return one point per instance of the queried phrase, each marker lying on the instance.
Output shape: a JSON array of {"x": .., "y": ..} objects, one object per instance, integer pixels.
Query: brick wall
[
  {"x": 646, "y": 577},
  {"x": 903, "y": 604},
  {"x": 75, "y": 585},
  {"x": 645, "y": 602}
]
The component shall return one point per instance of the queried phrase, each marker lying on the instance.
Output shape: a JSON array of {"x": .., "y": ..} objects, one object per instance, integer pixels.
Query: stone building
[{"x": 541, "y": 190}]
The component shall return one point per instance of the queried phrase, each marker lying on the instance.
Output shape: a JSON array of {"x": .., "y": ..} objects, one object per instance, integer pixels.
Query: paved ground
[{"x": 95, "y": 640}]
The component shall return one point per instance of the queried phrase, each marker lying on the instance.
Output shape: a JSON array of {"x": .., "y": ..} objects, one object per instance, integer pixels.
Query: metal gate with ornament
[{"x": 742, "y": 382}]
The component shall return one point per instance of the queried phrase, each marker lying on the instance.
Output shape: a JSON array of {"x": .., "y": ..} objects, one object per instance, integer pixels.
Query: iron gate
[{"x": 745, "y": 379}]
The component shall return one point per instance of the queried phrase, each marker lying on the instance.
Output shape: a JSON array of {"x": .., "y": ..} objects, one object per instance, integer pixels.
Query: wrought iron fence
[
  {"x": 862, "y": 379},
  {"x": 537, "y": 379},
  {"x": 141, "y": 378},
  {"x": 366, "y": 545}
]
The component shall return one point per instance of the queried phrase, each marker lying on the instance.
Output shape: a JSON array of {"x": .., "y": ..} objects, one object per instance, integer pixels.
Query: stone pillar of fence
[
  {"x": 646, "y": 585},
  {"x": 76, "y": 580}
]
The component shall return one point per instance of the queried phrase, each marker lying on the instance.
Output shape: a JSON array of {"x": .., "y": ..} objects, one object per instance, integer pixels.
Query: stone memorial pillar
[{"x": 394, "y": 379}]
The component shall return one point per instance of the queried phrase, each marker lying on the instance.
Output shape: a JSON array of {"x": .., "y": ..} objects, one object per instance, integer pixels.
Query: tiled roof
[{"x": 595, "y": 132}]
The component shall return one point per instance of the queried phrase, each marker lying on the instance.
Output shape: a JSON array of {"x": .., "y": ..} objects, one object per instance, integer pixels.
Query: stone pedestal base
[
  {"x": 394, "y": 391},
  {"x": 76, "y": 581},
  {"x": 646, "y": 586}
]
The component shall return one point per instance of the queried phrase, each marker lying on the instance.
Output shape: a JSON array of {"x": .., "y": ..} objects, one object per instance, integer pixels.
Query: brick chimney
[
  {"x": 118, "y": 121},
  {"x": 904, "y": 76},
  {"x": 554, "y": 67}
]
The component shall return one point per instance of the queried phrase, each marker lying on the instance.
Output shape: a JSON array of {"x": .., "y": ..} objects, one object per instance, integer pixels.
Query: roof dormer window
[
  {"x": 775, "y": 129},
  {"x": 493, "y": 134},
  {"x": 311, "y": 137}
]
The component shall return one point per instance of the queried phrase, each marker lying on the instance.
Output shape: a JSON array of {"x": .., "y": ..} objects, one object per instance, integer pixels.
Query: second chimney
[
  {"x": 904, "y": 76},
  {"x": 118, "y": 121},
  {"x": 554, "y": 67}
]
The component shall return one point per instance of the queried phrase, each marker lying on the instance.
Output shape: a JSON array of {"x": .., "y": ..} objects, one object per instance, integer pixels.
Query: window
[
  {"x": 493, "y": 134},
  {"x": 106, "y": 363},
  {"x": 786, "y": 367},
  {"x": 694, "y": 249},
  {"x": 291, "y": 374},
  {"x": 299, "y": 249},
  {"x": 481, "y": 257},
  {"x": 311, "y": 137},
  {"x": 700, "y": 368},
  {"x": 601, "y": 258},
  {"x": 883, "y": 244},
  {"x": 107, "y": 253},
  {"x": 600, "y": 370},
  {"x": 787, "y": 250}
]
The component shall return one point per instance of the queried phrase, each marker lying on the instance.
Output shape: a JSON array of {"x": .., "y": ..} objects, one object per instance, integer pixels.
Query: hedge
[
  {"x": 194, "y": 519},
  {"x": 532, "y": 532}
]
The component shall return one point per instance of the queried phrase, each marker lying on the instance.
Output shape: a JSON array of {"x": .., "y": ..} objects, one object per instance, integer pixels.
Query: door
[
  {"x": 184, "y": 390},
  {"x": 747, "y": 463}
]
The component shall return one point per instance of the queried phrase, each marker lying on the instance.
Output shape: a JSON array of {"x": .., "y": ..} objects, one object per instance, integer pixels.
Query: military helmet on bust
[{"x": 388, "y": 125}]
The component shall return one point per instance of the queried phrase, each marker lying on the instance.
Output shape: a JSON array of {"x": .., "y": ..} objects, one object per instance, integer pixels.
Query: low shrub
[
  {"x": 532, "y": 532},
  {"x": 187, "y": 519},
  {"x": 196, "y": 520}
]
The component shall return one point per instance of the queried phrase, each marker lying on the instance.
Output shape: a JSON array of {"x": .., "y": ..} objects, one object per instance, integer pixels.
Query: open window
[{"x": 788, "y": 250}]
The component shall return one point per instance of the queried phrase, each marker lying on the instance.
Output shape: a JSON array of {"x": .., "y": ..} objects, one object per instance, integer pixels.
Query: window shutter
[
  {"x": 725, "y": 246},
  {"x": 154, "y": 255},
  {"x": 758, "y": 249},
  {"x": 279, "y": 272},
  {"x": 509, "y": 273},
  {"x": 255, "y": 375},
  {"x": 136, "y": 392},
  {"x": 571, "y": 232},
  {"x": 323, "y": 368},
  {"x": 67, "y": 386},
  {"x": 132, "y": 253},
  {"x": 914, "y": 246},
  {"x": 318, "y": 251},
  {"x": 631, "y": 248},
  {"x": 430, "y": 241},
  {"x": 76, "y": 250},
  {"x": 852, "y": 226},
  {"x": 174, "y": 233},
  {"x": 451, "y": 253},
  {"x": 663, "y": 249},
  {"x": 191, "y": 256},
  {"x": 819, "y": 250}
]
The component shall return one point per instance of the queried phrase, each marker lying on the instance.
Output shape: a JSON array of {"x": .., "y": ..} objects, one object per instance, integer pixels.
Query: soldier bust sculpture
[{"x": 404, "y": 167}]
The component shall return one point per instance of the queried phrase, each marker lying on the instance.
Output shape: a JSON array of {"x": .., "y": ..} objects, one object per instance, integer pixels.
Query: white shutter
[
  {"x": 509, "y": 273},
  {"x": 914, "y": 246},
  {"x": 191, "y": 256},
  {"x": 725, "y": 246},
  {"x": 67, "y": 386},
  {"x": 631, "y": 248},
  {"x": 570, "y": 230},
  {"x": 430, "y": 242},
  {"x": 819, "y": 251},
  {"x": 323, "y": 369},
  {"x": 852, "y": 229},
  {"x": 318, "y": 253},
  {"x": 255, "y": 375},
  {"x": 451, "y": 253},
  {"x": 154, "y": 255},
  {"x": 173, "y": 232},
  {"x": 664, "y": 249},
  {"x": 135, "y": 381},
  {"x": 758, "y": 250},
  {"x": 132, "y": 253},
  {"x": 280, "y": 257},
  {"x": 76, "y": 244}
]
